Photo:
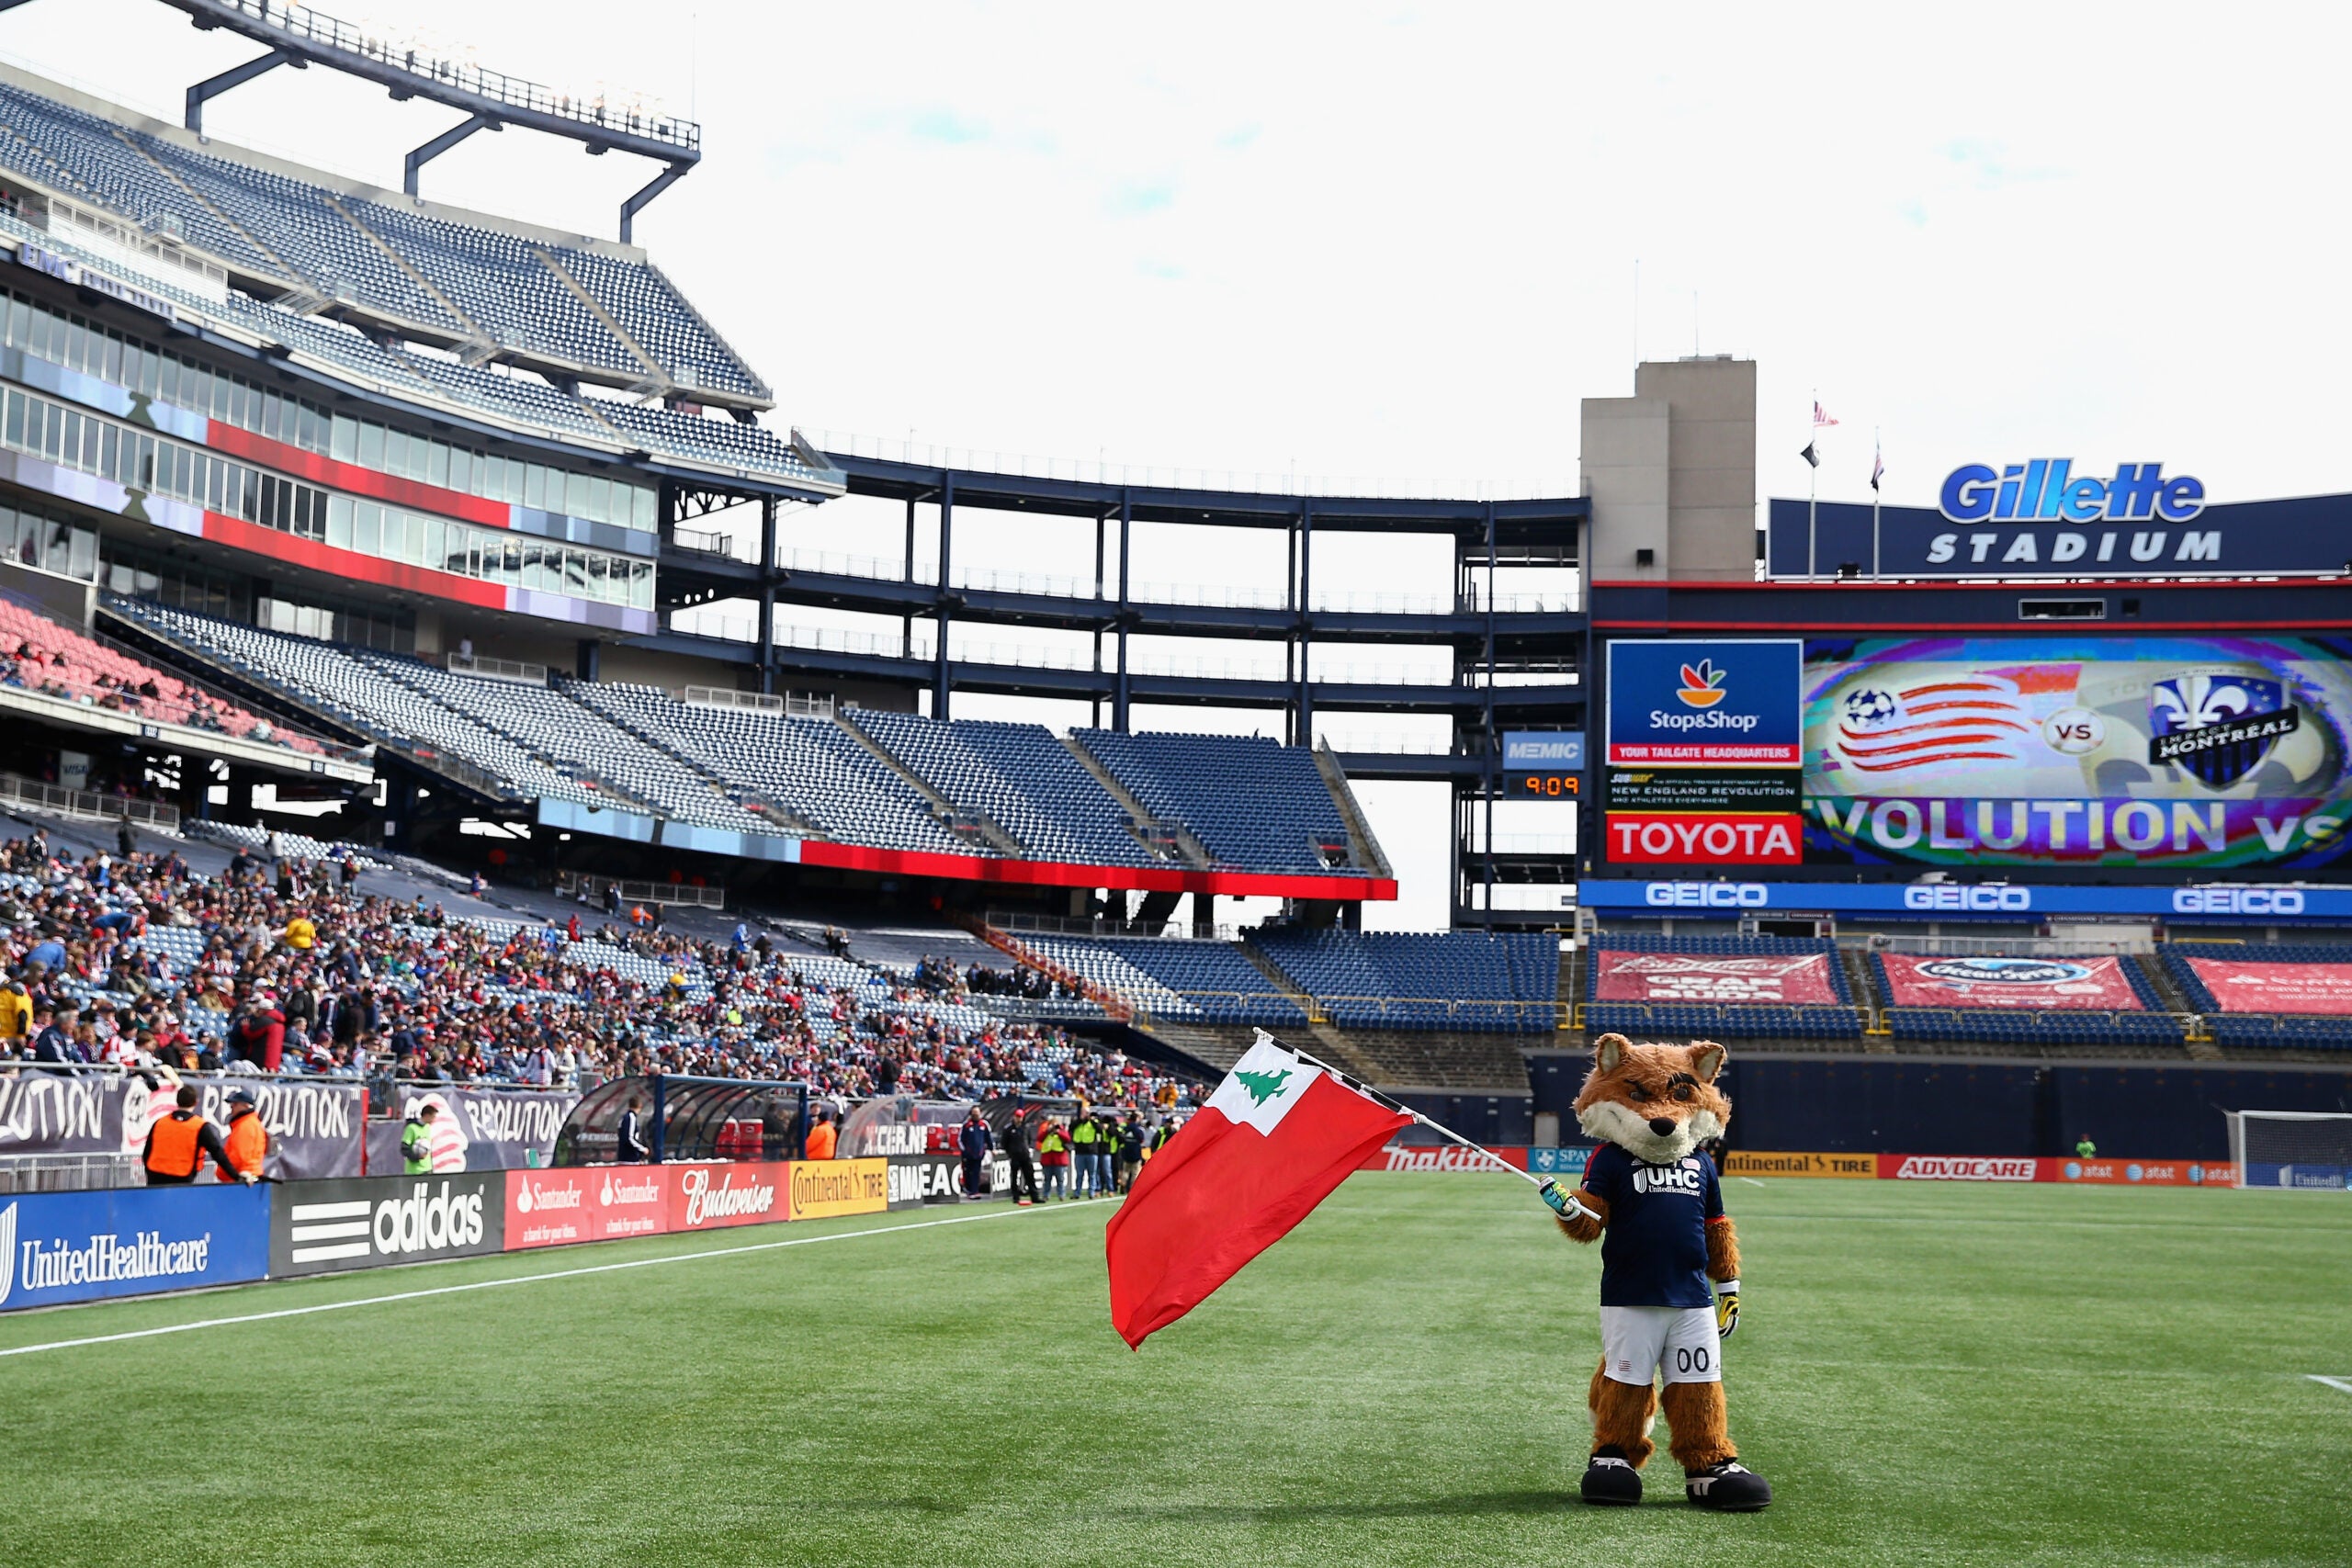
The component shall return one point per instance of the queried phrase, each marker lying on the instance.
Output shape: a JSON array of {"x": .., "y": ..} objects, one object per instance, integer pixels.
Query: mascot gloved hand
[{"x": 1657, "y": 1202}]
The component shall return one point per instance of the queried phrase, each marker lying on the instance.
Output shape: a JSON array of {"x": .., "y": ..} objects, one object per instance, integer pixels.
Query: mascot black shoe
[
  {"x": 1728, "y": 1488},
  {"x": 1612, "y": 1480}
]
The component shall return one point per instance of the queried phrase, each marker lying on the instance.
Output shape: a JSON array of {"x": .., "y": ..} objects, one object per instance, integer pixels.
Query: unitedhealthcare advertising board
[{"x": 76, "y": 1247}]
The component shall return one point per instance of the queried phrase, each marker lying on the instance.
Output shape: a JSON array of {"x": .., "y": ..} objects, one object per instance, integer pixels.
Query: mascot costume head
[{"x": 1669, "y": 1270}]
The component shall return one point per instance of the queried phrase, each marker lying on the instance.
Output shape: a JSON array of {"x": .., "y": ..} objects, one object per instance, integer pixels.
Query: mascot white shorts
[{"x": 1638, "y": 1343}]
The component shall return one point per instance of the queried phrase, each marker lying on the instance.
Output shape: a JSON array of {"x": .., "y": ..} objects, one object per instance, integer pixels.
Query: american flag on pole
[
  {"x": 1820, "y": 416},
  {"x": 1878, "y": 464}
]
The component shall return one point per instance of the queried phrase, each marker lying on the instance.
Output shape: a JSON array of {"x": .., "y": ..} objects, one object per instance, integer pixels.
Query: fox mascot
[{"x": 1653, "y": 1201}]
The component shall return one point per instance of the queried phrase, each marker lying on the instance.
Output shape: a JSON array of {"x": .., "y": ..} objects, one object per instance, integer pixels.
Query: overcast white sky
[{"x": 1402, "y": 241}]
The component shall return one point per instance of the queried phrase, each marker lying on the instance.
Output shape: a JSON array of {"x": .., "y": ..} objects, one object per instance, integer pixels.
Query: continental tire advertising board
[{"x": 316, "y": 1228}]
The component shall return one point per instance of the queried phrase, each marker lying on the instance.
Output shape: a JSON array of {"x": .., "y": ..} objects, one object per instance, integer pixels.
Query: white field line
[
  {"x": 2332, "y": 1383},
  {"x": 510, "y": 1279},
  {"x": 1752, "y": 1182}
]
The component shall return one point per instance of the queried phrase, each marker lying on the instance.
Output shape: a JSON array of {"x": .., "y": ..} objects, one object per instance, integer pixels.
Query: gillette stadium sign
[{"x": 2056, "y": 517}]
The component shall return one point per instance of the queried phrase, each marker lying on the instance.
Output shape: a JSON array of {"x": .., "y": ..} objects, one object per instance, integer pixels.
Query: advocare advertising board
[
  {"x": 1705, "y": 740},
  {"x": 76, "y": 1247},
  {"x": 317, "y": 1227},
  {"x": 2063, "y": 518}
]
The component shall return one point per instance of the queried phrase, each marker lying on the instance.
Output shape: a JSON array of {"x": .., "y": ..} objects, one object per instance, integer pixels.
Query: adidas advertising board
[
  {"x": 317, "y": 1227},
  {"x": 76, "y": 1247}
]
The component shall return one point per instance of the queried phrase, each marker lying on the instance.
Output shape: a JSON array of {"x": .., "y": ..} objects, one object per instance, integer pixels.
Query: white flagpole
[
  {"x": 1441, "y": 1130},
  {"x": 1813, "y": 493},
  {"x": 1877, "y": 464}
]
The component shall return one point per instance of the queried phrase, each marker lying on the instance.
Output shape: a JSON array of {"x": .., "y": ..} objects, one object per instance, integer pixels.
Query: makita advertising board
[
  {"x": 1705, "y": 702},
  {"x": 2143, "y": 521},
  {"x": 76, "y": 1247},
  {"x": 2081, "y": 752},
  {"x": 317, "y": 1227}
]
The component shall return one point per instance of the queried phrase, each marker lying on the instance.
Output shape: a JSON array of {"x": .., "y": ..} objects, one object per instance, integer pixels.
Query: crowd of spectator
[
  {"x": 280, "y": 964},
  {"x": 940, "y": 975}
]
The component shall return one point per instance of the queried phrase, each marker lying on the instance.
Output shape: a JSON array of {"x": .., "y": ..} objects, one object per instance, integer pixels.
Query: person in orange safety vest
[
  {"x": 248, "y": 1140},
  {"x": 178, "y": 1144}
]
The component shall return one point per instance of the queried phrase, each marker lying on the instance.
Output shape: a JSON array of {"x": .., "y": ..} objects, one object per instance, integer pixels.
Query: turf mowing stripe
[
  {"x": 510, "y": 1279},
  {"x": 2332, "y": 1383}
]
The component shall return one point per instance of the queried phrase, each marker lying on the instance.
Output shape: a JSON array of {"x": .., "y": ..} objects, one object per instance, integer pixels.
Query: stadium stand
[
  {"x": 2242, "y": 1015},
  {"x": 1184, "y": 978},
  {"x": 1020, "y": 777},
  {"x": 37, "y": 654},
  {"x": 1461, "y": 980},
  {"x": 1753, "y": 987},
  {"x": 1249, "y": 802},
  {"x": 810, "y": 767},
  {"x": 411, "y": 267},
  {"x": 394, "y": 986}
]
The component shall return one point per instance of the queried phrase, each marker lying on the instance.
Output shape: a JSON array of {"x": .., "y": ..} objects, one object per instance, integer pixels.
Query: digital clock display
[{"x": 1542, "y": 786}]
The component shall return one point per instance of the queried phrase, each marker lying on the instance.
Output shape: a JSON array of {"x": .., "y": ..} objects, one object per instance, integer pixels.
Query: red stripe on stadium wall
[
  {"x": 1059, "y": 873},
  {"x": 238, "y": 534},
  {"x": 351, "y": 478}
]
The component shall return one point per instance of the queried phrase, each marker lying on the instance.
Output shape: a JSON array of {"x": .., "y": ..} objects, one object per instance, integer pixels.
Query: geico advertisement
[
  {"x": 2078, "y": 751},
  {"x": 823, "y": 1188},
  {"x": 318, "y": 1226},
  {"x": 554, "y": 1207},
  {"x": 76, "y": 1247}
]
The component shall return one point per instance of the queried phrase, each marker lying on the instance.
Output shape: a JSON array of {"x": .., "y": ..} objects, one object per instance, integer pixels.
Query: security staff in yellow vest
[{"x": 178, "y": 1144}]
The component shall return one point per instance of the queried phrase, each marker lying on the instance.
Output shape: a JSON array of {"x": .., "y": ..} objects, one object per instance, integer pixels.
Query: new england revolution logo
[{"x": 2217, "y": 725}]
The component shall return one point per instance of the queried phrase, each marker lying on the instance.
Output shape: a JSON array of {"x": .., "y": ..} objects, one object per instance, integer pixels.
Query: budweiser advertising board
[
  {"x": 554, "y": 1207},
  {"x": 705, "y": 1197}
]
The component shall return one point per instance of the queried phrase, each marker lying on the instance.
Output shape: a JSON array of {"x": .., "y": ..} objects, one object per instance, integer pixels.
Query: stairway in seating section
[
  {"x": 1364, "y": 849},
  {"x": 1571, "y": 993},
  {"x": 1335, "y": 1047},
  {"x": 1175, "y": 834},
  {"x": 966, "y": 825}
]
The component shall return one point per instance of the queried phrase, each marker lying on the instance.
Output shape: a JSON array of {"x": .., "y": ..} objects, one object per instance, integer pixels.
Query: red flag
[{"x": 1273, "y": 1140}]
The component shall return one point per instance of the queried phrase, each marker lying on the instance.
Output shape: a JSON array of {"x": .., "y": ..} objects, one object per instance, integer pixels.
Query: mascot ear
[
  {"x": 1706, "y": 1060},
  {"x": 1608, "y": 1050}
]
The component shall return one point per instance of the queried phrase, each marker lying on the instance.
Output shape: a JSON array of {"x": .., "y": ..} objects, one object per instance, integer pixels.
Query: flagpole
[
  {"x": 1877, "y": 460},
  {"x": 1812, "y": 496},
  {"x": 1394, "y": 1104}
]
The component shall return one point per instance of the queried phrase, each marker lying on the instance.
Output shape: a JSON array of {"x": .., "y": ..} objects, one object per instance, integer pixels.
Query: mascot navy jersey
[{"x": 1655, "y": 1250}]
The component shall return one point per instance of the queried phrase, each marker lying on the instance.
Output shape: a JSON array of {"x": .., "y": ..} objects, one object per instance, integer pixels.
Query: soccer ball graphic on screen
[{"x": 1866, "y": 707}]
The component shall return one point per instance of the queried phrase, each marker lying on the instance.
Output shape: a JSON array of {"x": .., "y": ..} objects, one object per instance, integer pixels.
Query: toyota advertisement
[{"x": 2080, "y": 752}]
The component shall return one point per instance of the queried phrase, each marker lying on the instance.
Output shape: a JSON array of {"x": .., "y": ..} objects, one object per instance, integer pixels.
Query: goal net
[{"x": 2309, "y": 1149}]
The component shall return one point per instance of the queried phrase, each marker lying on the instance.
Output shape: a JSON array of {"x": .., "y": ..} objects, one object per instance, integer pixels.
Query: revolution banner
[
  {"x": 76, "y": 1247},
  {"x": 1799, "y": 979},
  {"x": 556, "y": 1208},
  {"x": 317, "y": 1227},
  {"x": 313, "y": 1124},
  {"x": 2240, "y": 987},
  {"x": 476, "y": 1128},
  {"x": 2035, "y": 983}
]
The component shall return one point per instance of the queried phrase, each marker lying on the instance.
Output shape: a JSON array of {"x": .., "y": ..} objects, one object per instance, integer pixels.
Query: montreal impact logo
[{"x": 2217, "y": 728}]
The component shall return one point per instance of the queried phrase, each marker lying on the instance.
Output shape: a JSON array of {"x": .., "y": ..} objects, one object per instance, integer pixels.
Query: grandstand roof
[{"x": 392, "y": 260}]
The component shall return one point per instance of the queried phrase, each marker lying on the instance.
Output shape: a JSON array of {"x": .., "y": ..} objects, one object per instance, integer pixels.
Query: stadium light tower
[{"x": 297, "y": 36}]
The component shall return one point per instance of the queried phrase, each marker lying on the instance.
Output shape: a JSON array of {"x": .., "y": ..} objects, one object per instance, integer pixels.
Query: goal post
[{"x": 2309, "y": 1150}]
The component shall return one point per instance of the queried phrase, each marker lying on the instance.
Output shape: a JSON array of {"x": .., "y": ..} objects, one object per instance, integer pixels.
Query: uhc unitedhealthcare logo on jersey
[
  {"x": 2048, "y": 491},
  {"x": 1712, "y": 702}
]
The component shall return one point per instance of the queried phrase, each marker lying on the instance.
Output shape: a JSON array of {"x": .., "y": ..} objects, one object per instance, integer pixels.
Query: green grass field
[{"x": 1927, "y": 1374}]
